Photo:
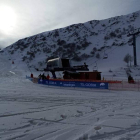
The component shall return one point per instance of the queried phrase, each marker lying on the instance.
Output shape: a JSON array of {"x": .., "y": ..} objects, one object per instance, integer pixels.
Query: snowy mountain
[
  {"x": 32, "y": 111},
  {"x": 84, "y": 42}
]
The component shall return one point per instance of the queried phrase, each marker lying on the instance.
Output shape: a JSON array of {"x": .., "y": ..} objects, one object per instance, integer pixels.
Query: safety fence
[
  {"x": 79, "y": 84},
  {"x": 111, "y": 85},
  {"x": 124, "y": 85},
  {"x": 70, "y": 83}
]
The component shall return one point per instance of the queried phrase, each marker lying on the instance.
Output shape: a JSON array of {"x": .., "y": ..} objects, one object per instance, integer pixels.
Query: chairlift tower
[{"x": 134, "y": 46}]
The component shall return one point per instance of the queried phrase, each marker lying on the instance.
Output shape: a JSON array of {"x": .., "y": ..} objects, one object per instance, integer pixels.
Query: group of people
[
  {"x": 130, "y": 79},
  {"x": 43, "y": 77}
]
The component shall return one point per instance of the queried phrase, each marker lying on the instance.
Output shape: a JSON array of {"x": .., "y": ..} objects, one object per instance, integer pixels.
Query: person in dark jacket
[
  {"x": 130, "y": 79},
  {"x": 39, "y": 76},
  {"x": 43, "y": 76},
  {"x": 31, "y": 75}
]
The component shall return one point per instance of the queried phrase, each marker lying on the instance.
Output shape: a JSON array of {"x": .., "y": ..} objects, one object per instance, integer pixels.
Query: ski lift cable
[
  {"x": 105, "y": 53},
  {"x": 100, "y": 59},
  {"x": 92, "y": 60},
  {"x": 101, "y": 52},
  {"x": 109, "y": 52}
]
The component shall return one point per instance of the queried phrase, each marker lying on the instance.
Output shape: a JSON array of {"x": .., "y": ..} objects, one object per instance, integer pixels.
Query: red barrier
[{"x": 101, "y": 81}]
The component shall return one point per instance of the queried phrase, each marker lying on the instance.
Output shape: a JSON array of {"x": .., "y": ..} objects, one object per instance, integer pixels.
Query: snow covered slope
[
  {"x": 84, "y": 42},
  {"x": 31, "y": 111}
]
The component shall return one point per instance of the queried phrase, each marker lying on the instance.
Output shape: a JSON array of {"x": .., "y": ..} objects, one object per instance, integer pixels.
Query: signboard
[{"x": 80, "y": 84}]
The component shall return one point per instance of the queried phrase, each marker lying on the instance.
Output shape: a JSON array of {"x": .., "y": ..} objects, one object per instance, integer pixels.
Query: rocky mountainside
[{"x": 83, "y": 42}]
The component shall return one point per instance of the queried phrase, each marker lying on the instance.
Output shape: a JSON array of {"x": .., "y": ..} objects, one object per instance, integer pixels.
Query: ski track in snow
[{"x": 30, "y": 111}]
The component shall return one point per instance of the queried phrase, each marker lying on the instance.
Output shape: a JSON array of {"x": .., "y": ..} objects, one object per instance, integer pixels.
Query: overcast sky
[{"x": 23, "y": 18}]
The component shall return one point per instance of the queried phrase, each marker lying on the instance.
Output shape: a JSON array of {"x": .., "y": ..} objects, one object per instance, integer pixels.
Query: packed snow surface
[{"x": 31, "y": 111}]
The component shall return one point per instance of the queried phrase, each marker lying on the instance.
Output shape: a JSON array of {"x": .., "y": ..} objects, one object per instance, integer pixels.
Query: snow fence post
[{"x": 138, "y": 85}]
